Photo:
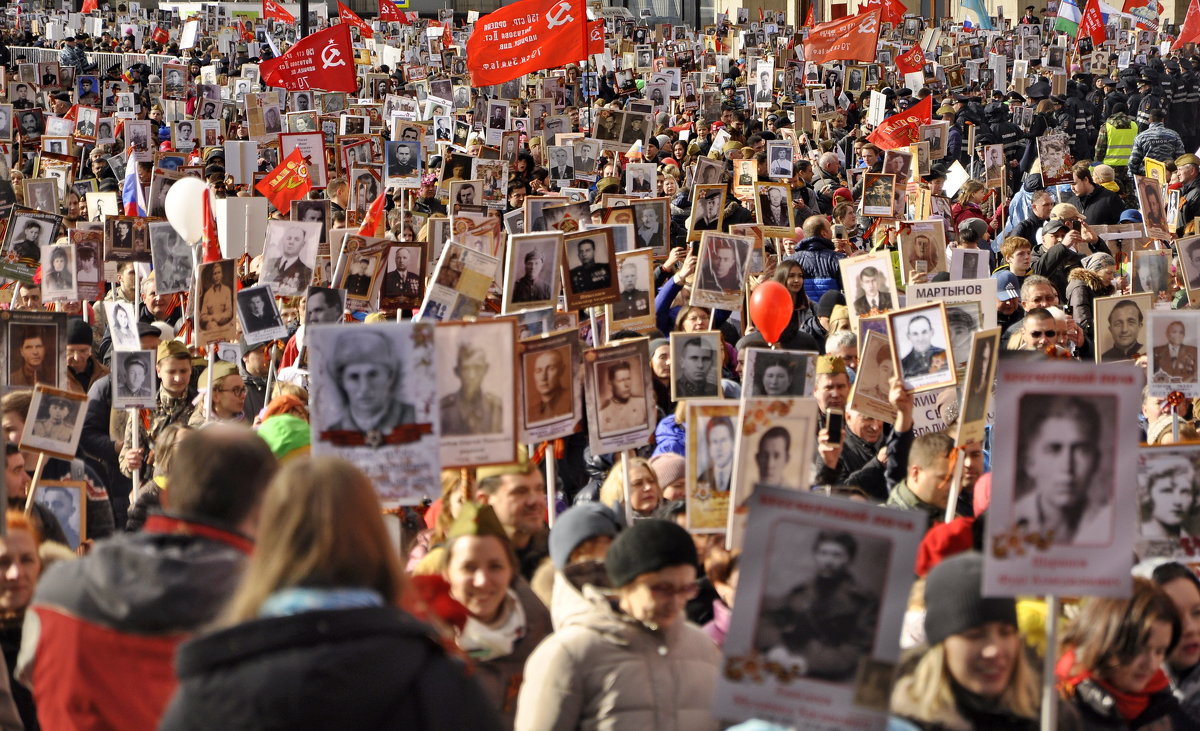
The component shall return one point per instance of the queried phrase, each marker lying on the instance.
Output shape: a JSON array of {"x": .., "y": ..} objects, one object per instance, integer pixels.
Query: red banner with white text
[
  {"x": 849, "y": 39},
  {"x": 526, "y": 36}
]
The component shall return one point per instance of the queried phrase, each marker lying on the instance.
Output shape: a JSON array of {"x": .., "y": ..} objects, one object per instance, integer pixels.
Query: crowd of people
[{"x": 202, "y": 561}]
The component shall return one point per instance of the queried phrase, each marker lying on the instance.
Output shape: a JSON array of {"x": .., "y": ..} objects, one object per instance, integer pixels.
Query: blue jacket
[{"x": 821, "y": 264}]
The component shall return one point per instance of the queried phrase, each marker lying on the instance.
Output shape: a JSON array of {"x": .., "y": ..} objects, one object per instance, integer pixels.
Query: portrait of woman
[{"x": 1058, "y": 461}]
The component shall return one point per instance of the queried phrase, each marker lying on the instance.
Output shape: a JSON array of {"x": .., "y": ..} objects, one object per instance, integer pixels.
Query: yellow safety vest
[{"x": 1120, "y": 144}]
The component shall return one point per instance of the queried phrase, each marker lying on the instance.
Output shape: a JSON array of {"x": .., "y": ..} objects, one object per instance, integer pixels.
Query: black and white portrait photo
[
  {"x": 58, "y": 274},
  {"x": 721, "y": 270},
  {"x": 779, "y": 159},
  {"x": 695, "y": 365},
  {"x": 778, "y": 373},
  {"x": 373, "y": 393},
  {"x": 259, "y": 315},
  {"x": 122, "y": 325},
  {"x": 774, "y": 207},
  {"x": 133, "y": 379},
  {"x": 641, "y": 178},
  {"x": 1064, "y": 463},
  {"x": 324, "y": 306},
  {"x": 562, "y": 163},
  {"x": 532, "y": 269},
  {"x": 172, "y": 257},
  {"x": 290, "y": 255},
  {"x": 821, "y": 603},
  {"x": 56, "y": 421},
  {"x": 708, "y": 210},
  {"x": 403, "y": 160},
  {"x": 476, "y": 391},
  {"x": 1167, "y": 499},
  {"x": 67, "y": 502},
  {"x": 921, "y": 346},
  {"x": 589, "y": 268},
  {"x": 636, "y": 285},
  {"x": 652, "y": 221}
]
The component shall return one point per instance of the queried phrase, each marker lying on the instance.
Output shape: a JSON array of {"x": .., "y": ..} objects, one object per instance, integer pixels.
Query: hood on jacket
[
  {"x": 815, "y": 243},
  {"x": 148, "y": 583},
  {"x": 566, "y": 596}
]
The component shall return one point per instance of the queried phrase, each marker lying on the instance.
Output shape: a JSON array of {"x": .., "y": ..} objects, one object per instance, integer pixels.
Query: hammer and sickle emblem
[
  {"x": 331, "y": 56},
  {"x": 559, "y": 14}
]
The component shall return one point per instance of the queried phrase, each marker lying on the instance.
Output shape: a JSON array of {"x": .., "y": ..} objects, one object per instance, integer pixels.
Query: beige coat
[{"x": 602, "y": 670}]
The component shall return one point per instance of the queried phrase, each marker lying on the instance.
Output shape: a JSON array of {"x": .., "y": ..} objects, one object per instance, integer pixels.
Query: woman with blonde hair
[
  {"x": 644, "y": 492},
  {"x": 1110, "y": 673},
  {"x": 315, "y": 637},
  {"x": 974, "y": 673}
]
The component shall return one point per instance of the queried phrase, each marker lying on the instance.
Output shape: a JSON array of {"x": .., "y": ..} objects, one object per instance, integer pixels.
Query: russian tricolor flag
[{"x": 132, "y": 198}]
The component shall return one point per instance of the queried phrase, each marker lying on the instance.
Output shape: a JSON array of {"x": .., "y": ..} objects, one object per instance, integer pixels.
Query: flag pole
[{"x": 587, "y": 64}]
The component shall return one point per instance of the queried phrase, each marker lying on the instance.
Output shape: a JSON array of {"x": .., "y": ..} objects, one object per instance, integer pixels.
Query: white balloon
[{"x": 185, "y": 209}]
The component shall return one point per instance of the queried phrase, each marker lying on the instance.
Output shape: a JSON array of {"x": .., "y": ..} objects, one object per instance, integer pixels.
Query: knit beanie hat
[
  {"x": 79, "y": 332},
  {"x": 286, "y": 435},
  {"x": 576, "y": 525},
  {"x": 650, "y": 545},
  {"x": 953, "y": 601},
  {"x": 668, "y": 468},
  {"x": 827, "y": 301}
]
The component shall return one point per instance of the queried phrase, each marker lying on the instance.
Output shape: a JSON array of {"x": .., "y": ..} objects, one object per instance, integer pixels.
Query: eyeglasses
[
  {"x": 667, "y": 591},
  {"x": 239, "y": 391},
  {"x": 1036, "y": 334}
]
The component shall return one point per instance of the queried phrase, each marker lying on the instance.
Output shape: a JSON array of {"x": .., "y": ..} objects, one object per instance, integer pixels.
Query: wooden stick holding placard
[
  {"x": 551, "y": 479},
  {"x": 1049, "y": 691},
  {"x": 37, "y": 477},
  {"x": 208, "y": 394}
]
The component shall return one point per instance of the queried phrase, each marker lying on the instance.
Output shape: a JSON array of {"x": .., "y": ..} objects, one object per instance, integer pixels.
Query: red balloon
[{"x": 771, "y": 308}]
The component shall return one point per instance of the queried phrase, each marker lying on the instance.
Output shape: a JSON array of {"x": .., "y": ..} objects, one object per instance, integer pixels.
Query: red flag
[
  {"x": 247, "y": 31},
  {"x": 1189, "y": 32},
  {"x": 323, "y": 60},
  {"x": 160, "y": 35},
  {"x": 288, "y": 182},
  {"x": 347, "y": 15},
  {"x": 596, "y": 37},
  {"x": 273, "y": 10},
  {"x": 912, "y": 61},
  {"x": 847, "y": 39},
  {"x": 903, "y": 128},
  {"x": 1091, "y": 25},
  {"x": 1146, "y": 12},
  {"x": 893, "y": 10},
  {"x": 89, "y": 6},
  {"x": 389, "y": 13},
  {"x": 810, "y": 20},
  {"x": 211, "y": 245},
  {"x": 374, "y": 217},
  {"x": 526, "y": 36}
]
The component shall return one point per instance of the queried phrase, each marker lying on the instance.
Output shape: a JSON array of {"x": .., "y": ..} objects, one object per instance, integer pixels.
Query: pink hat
[{"x": 843, "y": 193}]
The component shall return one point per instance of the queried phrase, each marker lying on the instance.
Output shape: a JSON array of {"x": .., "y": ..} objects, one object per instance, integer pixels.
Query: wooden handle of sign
[
  {"x": 551, "y": 480},
  {"x": 37, "y": 477}
]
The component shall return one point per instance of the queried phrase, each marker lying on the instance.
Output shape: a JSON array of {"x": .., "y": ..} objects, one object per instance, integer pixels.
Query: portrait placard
[
  {"x": 870, "y": 285},
  {"x": 1168, "y": 514},
  {"x": 404, "y": 268},
  {"x": 634, "y": 308},
  {"x": 710, "y": 477},
  {"x": 708, "y": 210},
  {"x": 173, "y": 265},
  {"x": 531, "y": 271},
  {"x": 1120, "y": 326},
  {"x": 774, "y": 210},
  {"x": 134, "y": 379},
  {"x": 289, "y": 256},
  {"x": 477, "y": 392},
  {"x": 620, "y": 396},
  {"x": 374, "y": 403},
  {"x": 588, "y": 267},
  {"x": 977, "y": 391},
  {"x": 721, "y": 271},
  {"x": 551, "y": 406},
  {"x": 696, "y": 365},
  {"x": 1151, "y": 274},
  {"x": 28, "y": 231},
  {"x": 215, "y": 313},
  {"x": 922, "y": 350},
  {"x": 35, "y": 348},
  {"x": 1189, "y": 261},
  {"x": 459, "y": 284},
  {"x": 1057, "y": 523},
  {"x": 878, "y": 194},
  {"x": 66, "y": 500},
  {"x": 1173, "y": 345},
  {"x": 801, "y": 551},
  {"x": 260, "y": 316},
  {"x": 774, "y": 438},
  {"x": 55, "y": 422},
  {"x": 778, "y": 373},
  {"x": 869, "y": 395},
  {"x": 922, "y": 248}
]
